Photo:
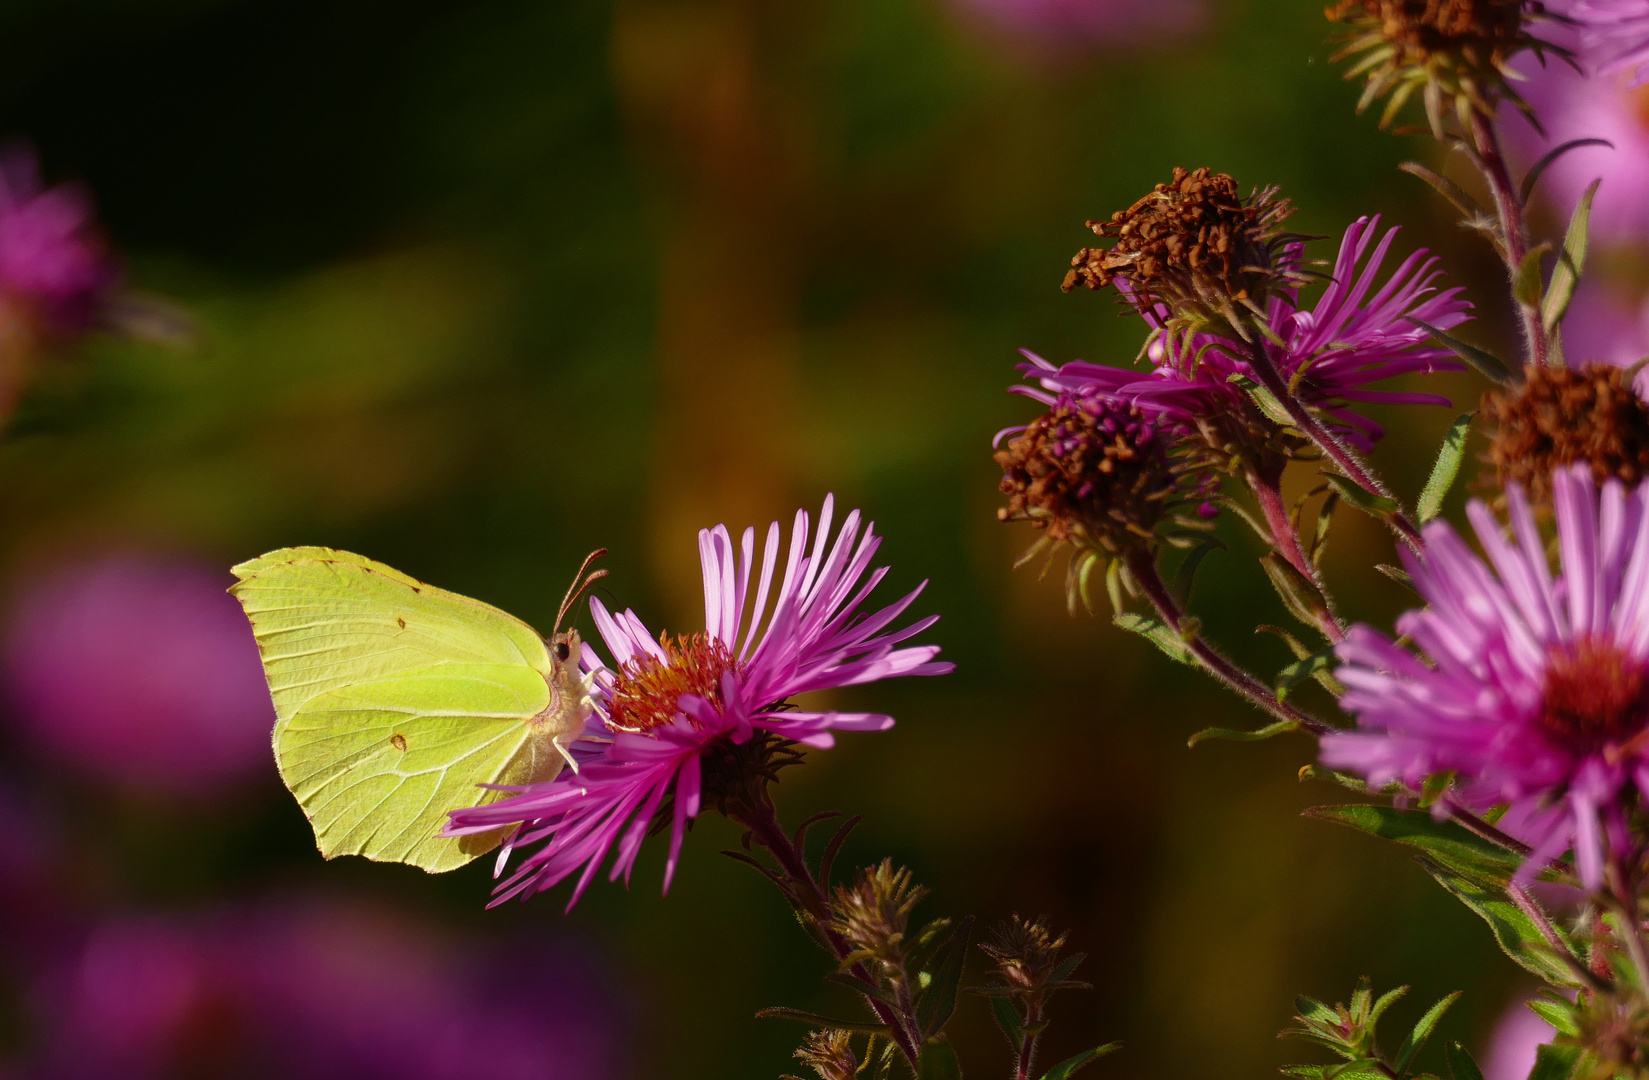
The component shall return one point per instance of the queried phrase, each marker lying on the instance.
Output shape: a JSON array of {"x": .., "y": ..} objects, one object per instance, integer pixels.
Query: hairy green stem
[{"x": 1514, "y": 234}]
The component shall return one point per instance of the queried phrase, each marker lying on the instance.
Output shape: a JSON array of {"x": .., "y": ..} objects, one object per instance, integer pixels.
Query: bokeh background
[{"x": 482, "y": 284}]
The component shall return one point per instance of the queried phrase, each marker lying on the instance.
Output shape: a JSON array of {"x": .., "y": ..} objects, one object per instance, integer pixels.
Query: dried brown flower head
[
  {"x": 1445, "y": 49},
  {"x": 873, "y": 913},
  {"x": 1026, "y": 952},
  {"x": 1092, "y": 473},
  {"x": 1194, "y": 244},
  {"x": 1559, "y": 416},
  {"x": 829, "y": 1054}
]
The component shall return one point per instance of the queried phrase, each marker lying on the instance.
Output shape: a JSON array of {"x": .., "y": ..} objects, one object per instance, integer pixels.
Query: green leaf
[
  {"x": 860, "y": 1027},
  {"x": 859, "y": 986},
  {"x": 1270, "y": 731},
  {"x": 1395, "y": 573},
  {"x": 1445, "y": 187},
  {"x": 1514, "y": 932},
  {"x": 1422, "y": 1031},
  {"x": 1450, "y": 843},
  {"x": 1265, "y": 399},
  {"x": 1570, "y": 262},
  {"x": 1555, "y": 1062},
  {"x": 1158, "y": 634},
  {"x": 1072, "y": 1064},
  {"x": 1298, "y": 592},
  {"x": 938, "y": 1001},
  {"x": 939, "y": 1062},
  {"x": 1461, "y": 1065},
  {"x": 1559, "y": 1014},
  {"x": 1526, "y": 281},
  {"x": 1486, "y": 363},
  {"x": 1007, "y": 1018},
  {"x": 1316, "y": 666},
  {"x": 1552, "y": 155},
  {"x": 1446, "y": 469},
  {"x": 1367, "y": 501},
  {"x": 1187, "y": 572}
]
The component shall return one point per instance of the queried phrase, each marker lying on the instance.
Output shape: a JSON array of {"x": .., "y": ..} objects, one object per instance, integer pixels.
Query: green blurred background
[{"x": 482, "y": 285}]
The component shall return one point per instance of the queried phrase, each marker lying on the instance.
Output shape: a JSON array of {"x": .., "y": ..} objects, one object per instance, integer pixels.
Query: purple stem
[
  {"x": 1270, "y": 496},
  {"x": 1027, "y": 1049},
  {"x": 807, "y": 894},
  {"x": 1338, "y": 452},
  {"x": 1514, "y": 233},
  {"x": 1144, "y": 570}
]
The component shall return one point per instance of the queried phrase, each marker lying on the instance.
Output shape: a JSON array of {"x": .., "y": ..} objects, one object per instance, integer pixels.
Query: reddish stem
[
  {"x": 1150, "y": 582},
  {"x": 1514, "y": 233},
  {"x": 1268, "y": 491}
]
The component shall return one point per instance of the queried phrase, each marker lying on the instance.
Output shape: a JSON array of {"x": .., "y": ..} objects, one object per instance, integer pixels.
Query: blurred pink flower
[
  {"x": 1517, "y": 1036},
  {"x": 54, "y": 264},
  {"x": 1573, "y": 106},
  {"x": 319, "y": 989},
  {"x": 139, "y": 671},
  {"x": 1067, "y": 26}
]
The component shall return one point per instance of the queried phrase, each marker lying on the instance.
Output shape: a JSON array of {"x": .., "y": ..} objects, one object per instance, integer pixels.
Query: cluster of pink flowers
[{"x": 1332, "y": 352}]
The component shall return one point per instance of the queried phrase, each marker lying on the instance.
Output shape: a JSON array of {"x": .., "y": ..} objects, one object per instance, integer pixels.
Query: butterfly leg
[{"x": 565, "y": 752}]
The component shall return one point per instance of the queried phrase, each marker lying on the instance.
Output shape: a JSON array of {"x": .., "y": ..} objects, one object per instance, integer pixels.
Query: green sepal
[
  {"x": 1316, "y": 666},
  {"x": 1435, "y": 787},
  {"x": 1397, "y": 574},
  {"x": 1158, "y": 634},
  {"x": 1485, "y": 363},
  {"x": 1461, "y": 1065},
  {"x": 1368, "y": 502},
  {"x": 1551, "y": 156},
  {"x": 879, "y": 1058},
  {"x": 1265, "y": 399},
  {"x": 938, "y": 1062},
  {"x": 1443, "y": 473},
  {"x": 1559, "y": 1014},
  {"x": 1448, "y": 842},
  {"x": 1186, "y": 575},
  {"x": 858, "y": 1027},
  {"x": 1345, "y": 780},
  {"x": 1299, "y": 594},
  {"x": 1527, "y": 285},
  {"x": 1007, "y": 1018},
  {"x": 1445, "y": 187},
  {"x": 1570, "y": 261},
  {"x": 1556, "y": 1062},
  {"x": 938, "y": 1001},
  {"x": 1270, "y": 731},
  {"x": 1514, "y": 932},
  {"x": 1076, "y": 1061},
  {"x": 1422, "y": 1031}
]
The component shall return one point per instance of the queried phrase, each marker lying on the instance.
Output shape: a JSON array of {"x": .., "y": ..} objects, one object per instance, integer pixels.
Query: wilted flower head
[
  {"x": 1028, "y": 955},
  {"x": 140, "y": 671},
  {"x": 1533, "y": 690},
  {"x": 1195, "y": 246},
  {"x": 1454, "y": 53},
  {"x": 55, "y": 268},
  {"x": 829, "y": 1054},
  {"x": 873, "y": 913},
  {"x": 1359, "y": 332},
  {"x": 1615, "y": 34},
  {"x": 671, "y": 705},
  {"x": 1561, "y": 416}
]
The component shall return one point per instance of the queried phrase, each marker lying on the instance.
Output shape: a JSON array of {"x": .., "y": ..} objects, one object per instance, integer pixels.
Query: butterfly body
[{"x": 397, "y": 702}]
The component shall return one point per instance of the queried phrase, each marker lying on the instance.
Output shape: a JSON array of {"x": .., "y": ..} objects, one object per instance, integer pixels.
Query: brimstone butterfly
[{"x": 395, "y": 700}]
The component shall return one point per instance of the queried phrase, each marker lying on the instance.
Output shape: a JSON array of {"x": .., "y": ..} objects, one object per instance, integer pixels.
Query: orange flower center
[
  {"x": 648, "y": 689},
  {"x": 1595, "y": 696}
]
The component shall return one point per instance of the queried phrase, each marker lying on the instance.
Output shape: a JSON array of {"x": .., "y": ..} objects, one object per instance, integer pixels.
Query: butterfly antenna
[{"x": 581, "y": 581}]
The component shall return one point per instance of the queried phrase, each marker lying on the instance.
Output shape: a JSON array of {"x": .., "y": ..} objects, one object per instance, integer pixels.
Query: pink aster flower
[
  {"x": 667, "y": 702},
  {"x": 1355, "y": 335},
  {"x": 1536, "y": 690},
  {"x": 1615, "y": 35},
  {"x": 54, "y": 265}
]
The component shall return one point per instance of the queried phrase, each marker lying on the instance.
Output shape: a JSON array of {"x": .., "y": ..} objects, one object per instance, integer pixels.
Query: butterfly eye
[{"x": 561, "y": 650}]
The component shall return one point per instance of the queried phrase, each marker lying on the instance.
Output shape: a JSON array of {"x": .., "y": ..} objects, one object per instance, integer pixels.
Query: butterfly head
[{"x": 565, "y": 648}]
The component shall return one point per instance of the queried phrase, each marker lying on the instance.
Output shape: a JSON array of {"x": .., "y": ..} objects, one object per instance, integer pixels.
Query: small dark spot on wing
[
  {"x": 398, "y": 741},
  {"x": 402, "y": 623}
]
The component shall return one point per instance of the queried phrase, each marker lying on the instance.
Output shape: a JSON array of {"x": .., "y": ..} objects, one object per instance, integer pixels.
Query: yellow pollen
[{"x": 648, "y": 689}]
